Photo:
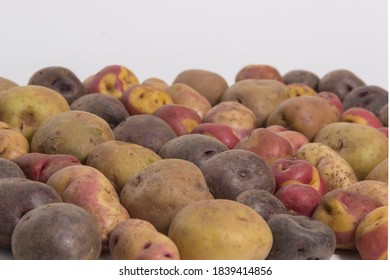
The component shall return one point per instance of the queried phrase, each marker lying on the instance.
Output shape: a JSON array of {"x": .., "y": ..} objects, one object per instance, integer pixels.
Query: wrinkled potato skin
[
  {"x": 90, "y": 189},
  {"x": 334, "y": 170},
  {"x": 135, "y": 239}
]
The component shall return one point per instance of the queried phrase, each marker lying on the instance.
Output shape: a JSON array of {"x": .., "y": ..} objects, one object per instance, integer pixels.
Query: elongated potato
[{"x": 336, "y": 171}]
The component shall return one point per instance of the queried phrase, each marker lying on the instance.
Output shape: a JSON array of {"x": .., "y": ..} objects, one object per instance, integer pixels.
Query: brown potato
[
  {"x": 380, "y": 172},
  {"x": 209, "y": 84},
  {"x": 6, "y": 84},
  {"x": 260, "y": 96},
  {"x": 302, "y": 114},
  {"x": 161, "y": 189}
]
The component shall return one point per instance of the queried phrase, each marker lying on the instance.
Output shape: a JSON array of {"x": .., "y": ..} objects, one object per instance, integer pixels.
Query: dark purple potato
[
  {"x": 340, "y": 82},
  {"x": 196, "y": 148},
  {"x": 9, "y": 169},
  {"x": 372, "y": 98},
  {"x": 61, "y": 80},
  {"x": 107, "y": 107},
  {"x": 233, "y": 171},
  {"x": 145, "y": 130},
  {"x": 302, "y": 76},
  {"x": 300, "y": 238},
  {"x": 263, "y": 202},
  {"x": 17, "y": 197},
  {"x": 56, "y": 231}
]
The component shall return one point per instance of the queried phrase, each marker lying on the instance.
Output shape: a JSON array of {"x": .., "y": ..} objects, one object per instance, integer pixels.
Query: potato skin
[
  {"x": 9, "y": 169},
  {"x": 334, "y": 170},
  {"x": 56, "y": 231}
]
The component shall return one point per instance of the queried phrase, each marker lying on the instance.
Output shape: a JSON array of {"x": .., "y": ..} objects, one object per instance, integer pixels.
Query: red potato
[
  {"x": 299, "y": 199},
  {"x": 333, "y": 99},
  {"x": 295, "y": 138},
  {"x": 384, "y": 130},
  {"x": 275, "y": 128},
  {"x": 297, "y": 171},
  {"x": 361, "y": 116},
  {"x": 258, "y": 71},
  {"x": 39, "y": 166},
  {"x": 111, "y": 80},
  {"x": 343, "y": 211},
  {"x": 180, "y": 118},
  {"x": 268, "y": 145},
  {"x": 223, "y": 132}
]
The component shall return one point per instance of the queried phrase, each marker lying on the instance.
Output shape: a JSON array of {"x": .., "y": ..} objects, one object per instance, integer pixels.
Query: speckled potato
[
  {"x": 300, "y": 238},
  {"x": 26, "y": 107},
  {"x": 209, "y": 84},
  {"x": 88, "y": 188},
  {"x": 56, "y": 231},
  {"x": 260, "y": 96},
  {"x": 334, "y": 170},
  {"x": 119, "y": 160},
  {"x": 362, "y": 146},
  {"x": 380, "y": 172},
  {"x": 160, "y": 190},
  {"x": 302, "y": 114},
  {"x": 135, "y": 239},
  {"x": 375, "y": 189},
  {"x": 74, "y": 132},
  {"x": 12, "y": 143},
  {"x": 185, "y": 95},
  {"x": 220, "y": 229}
]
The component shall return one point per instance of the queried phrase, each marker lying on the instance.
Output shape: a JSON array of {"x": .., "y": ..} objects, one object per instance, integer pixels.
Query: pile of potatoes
[{"x": 271, "y": 166}]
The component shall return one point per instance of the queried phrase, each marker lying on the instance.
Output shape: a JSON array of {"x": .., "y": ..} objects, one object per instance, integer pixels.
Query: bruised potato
[{"x": 135, "y": 239}]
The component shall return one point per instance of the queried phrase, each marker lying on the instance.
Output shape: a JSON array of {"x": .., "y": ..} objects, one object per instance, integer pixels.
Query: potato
[
  {"x": 383, "y": 115},
  {"x": 260, "y": 96},
  {"x": 195, "y": 148},
  {"x": 185, "y": 95},
  {"x": 9, "y": 169},
  {"x": 88, "y": 188},
  {"x": 12, "y": 144},
  {"x": 119, "y": 160},
  {"x": 233, "y": 171},
  {"x": 362, "y": 146},
  {"x": 209, "y": 84},
  {"x": 375, "y": 189},
  {"x": 302, "y": 114},
  {"x": 220, "y": 229},
  {"x": 56, "y": 231},
  {"x": 135, "y": 239},
  {"x": 160, "y": 190},
  {"x": 380, "y": 172},
  {"x": 17, "y": 197},
  {"x": 6, "y": 84},
  {"x": 156, "y": 83},
  {"x": 300, "y": 238},
  {"x": 107, "y": 107},
  {"x": 145, "y": 130},
  {"x": 258, "y": 71},
  {"x": 372, "y": 98},
  {"x": 263, "y": 202},
  {"x": 39, "y": 166},
  {"x": 302, "y": 76},
  {"x": 334, "y": 170},
  {"x": 234, "y": 114},
  {"x": 73, "y": 132}
]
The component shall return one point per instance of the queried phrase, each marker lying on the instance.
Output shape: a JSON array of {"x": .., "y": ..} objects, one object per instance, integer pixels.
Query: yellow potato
[
  {"x": 12, "y": 143},
  {"x": 334, "y": 170}
]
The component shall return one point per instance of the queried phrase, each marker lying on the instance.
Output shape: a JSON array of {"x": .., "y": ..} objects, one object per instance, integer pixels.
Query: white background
[{"x": 161, "y": 38}]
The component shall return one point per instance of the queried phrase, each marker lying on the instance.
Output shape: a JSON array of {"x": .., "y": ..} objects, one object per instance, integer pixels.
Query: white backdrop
[{"x": 161, "y": 38}]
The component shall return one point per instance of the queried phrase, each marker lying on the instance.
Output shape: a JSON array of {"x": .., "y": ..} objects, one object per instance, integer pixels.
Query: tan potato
[
  {"x": 209, "y": 84},
  {"x": 305, "y": 114},
  {"x": 6, "y": 84},
  {"x": 334, "y": 170},
  {"x": 260, "y": 96},
  {"x": 12, "y": 144},
  {"x": 156, "y": 83},
  {"x": 362, "y": 146},
  {"x": 119, "y": 160},
  {"x": 379, "y": 172},
  {"x": 161, "y": 189},
  {"x": 88, "y": 188},
  {"x": 220, "y": 229},
  {"x": 135, "y": 239},
  {"x": 185, "y": 95},
  {"x": 375, "y": 189}
]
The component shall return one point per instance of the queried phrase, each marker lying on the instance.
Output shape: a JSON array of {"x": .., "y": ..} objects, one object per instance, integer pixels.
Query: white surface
[{"x": 162, "y": 38}]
